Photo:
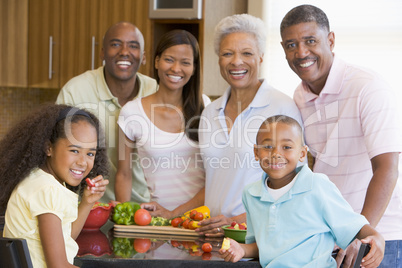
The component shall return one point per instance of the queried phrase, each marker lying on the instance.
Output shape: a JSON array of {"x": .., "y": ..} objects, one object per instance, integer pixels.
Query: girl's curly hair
[{"x": 24, "y": 147}]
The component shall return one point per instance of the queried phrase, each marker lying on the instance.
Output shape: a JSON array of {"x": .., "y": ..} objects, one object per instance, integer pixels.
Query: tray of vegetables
[{"x": 130, "y": 218}]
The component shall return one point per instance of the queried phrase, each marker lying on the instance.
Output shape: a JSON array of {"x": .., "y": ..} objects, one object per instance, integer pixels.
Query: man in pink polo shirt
[{"x": 351, "y": 127}]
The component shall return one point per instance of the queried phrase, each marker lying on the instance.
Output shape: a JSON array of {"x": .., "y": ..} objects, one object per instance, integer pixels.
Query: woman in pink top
[{"x": 164, "y": 128}]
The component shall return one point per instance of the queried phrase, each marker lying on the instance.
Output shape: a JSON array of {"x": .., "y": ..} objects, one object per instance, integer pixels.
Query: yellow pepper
[
  {"x": 192, "y": 225},
  {"x": 226, "y": 244},
  {"x": 195, "y": 248}
]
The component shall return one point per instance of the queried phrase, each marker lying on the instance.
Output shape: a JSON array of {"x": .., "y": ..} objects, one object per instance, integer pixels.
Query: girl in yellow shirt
[{"x": 44, "y": 161}]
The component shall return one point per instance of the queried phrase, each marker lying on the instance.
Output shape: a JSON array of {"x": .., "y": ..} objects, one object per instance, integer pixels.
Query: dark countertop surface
[{"x": 122, "y": 263}]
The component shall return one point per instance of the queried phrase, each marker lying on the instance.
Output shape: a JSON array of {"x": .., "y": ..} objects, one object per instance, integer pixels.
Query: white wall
[{"x": 215, "y": 10}]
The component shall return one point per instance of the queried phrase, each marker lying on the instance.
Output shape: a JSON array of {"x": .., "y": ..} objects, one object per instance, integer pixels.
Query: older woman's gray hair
[{"x": 240, "y": 23}]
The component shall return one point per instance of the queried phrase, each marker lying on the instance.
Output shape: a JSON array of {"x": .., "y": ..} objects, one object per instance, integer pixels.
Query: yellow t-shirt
[
  {"x": 37, "y": 194},
  {"x": 90, "y": 91}
]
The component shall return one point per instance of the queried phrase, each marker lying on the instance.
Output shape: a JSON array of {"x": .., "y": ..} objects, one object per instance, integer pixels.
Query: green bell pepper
[
  {"x": 123, "y": 213},
  {"x": 123, "y": 247}
]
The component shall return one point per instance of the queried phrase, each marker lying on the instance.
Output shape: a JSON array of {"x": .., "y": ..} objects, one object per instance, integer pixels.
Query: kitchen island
[{"x": 107, "y": 248}]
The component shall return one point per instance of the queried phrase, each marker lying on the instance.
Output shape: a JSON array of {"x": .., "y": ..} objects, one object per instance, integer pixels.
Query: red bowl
[
  {"x": 93, "y": 242},
  {"x": 97, "y": 217}
]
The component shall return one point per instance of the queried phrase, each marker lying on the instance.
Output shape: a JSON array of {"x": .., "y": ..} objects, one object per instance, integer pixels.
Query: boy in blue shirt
[{"x": 295, "y": 216}]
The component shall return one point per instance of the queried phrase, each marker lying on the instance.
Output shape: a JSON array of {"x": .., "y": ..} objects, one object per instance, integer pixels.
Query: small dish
[
  {"x": 238, "y": 235},
  {"x": 98, "y": 216}
]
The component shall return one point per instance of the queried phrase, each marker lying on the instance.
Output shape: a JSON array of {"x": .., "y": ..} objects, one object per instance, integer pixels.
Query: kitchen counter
[
  {"x": 123, "y": 263},
  {"x": 105, "y": 248}
]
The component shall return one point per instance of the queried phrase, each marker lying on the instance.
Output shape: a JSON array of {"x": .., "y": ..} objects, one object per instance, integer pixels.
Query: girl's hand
[
  {"x": 376, "y": 253},
  {"x": 94, "y": 193},
  {"x": 234, "y": 253}
]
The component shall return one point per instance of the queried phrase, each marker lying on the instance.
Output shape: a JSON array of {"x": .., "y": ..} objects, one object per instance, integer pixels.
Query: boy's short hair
[{"x": 282, "y": 119}]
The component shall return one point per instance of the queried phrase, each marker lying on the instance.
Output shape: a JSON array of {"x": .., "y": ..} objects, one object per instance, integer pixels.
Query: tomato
[
  {"x": 186, "y": 244},
  {"x": 195, "y": 252},
  {"x": 199, "y": 216},
  {"x": 206, "y": 247},
  {"x": 176, "y": 222},
  {"x": 142, "y": 245},
  {"x": 193, "y": 213},
  {"x": 185, "y": 223},
  {"x": 206, "y": 256},
  {"x": 89, "y": 182},
  {"x": 142, "y": 217},
  {"x": 175, "y": 243}
]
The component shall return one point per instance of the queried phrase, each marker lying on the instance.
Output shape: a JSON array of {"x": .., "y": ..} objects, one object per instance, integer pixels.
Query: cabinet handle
[
  {"x": 93, "y": 53},
  {"x": 50, "y": 56}
]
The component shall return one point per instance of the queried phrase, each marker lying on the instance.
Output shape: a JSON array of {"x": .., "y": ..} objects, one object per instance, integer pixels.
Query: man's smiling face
[
  {"x": 308, "y": 50},
  {"x": 122, "y": 51}
]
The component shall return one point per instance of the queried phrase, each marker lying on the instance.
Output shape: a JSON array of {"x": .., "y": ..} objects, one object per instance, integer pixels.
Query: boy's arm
[
  {"x": 250, "y": 250},
  {"x": 366, "y": 231},
  {"x": 369, "y": 235},
  {"x": 238, "y": 251}
]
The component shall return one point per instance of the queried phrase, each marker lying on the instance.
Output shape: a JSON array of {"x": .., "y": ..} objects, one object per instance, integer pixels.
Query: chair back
[
  {"x": 14, "y": 253},
  {"x": 364, "y": 249}
]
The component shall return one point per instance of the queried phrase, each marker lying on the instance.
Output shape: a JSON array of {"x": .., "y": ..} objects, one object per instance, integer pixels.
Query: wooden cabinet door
[
  {"x": 83, "y": 25},
  {"x": 14, "y": 43},
  {"x": 78, "y": 20},
  {"x": 44, "y": 43},
  {"x": 65, "y": 36}
]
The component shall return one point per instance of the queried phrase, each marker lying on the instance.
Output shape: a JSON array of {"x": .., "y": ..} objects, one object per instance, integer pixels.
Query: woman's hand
[
  {"x": 94, "y": 193},
  {"x": 212, "y": 227},
  {"x": 156, "y": 210}
]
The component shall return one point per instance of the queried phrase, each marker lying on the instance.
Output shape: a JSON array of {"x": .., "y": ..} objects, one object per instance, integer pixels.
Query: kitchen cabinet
[
  {"x": 65, "y": 36},
  {"x": 47, "y": 42},
  {"x": 14, "y": 43},
  {"x": 44, "y": 42}
]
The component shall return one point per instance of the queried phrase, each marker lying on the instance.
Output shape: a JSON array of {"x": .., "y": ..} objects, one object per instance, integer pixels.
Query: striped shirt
[
  {"x": 352, "y": 120},
  {"x": 171, "y": 162}
]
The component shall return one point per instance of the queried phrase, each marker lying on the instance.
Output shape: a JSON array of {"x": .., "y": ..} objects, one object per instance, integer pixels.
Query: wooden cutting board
[
  {"x": 163, "y": 230},
  {"x": 165, "y": 237}
]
